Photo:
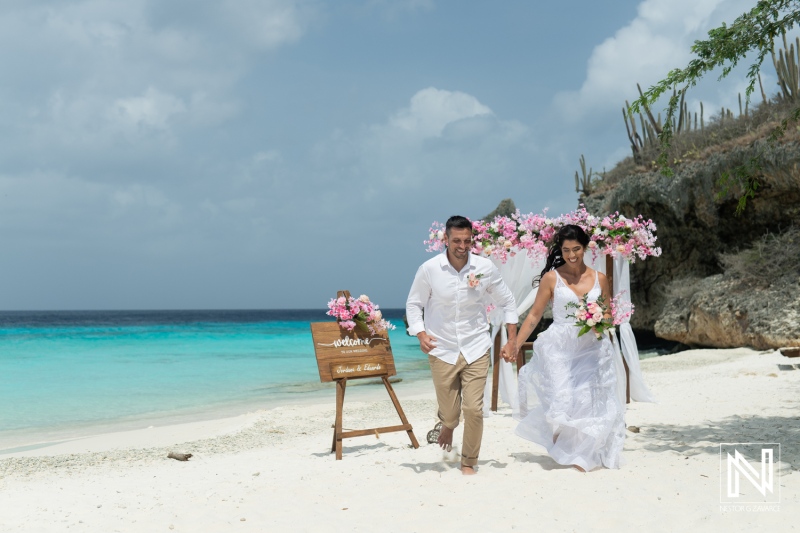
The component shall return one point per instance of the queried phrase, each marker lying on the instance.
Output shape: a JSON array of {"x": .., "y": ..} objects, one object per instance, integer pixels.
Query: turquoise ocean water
[{"x": 78, "y": 370}]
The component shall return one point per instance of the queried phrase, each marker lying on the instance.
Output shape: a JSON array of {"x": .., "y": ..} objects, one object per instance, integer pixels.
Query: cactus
[
  {"x": 637, "y": 143},
  {"x": 702, "y": 121},
  {"x": 682, "y": 114},
  {"x": 761, "y": 86},
  {"x": 652, "y": 136},
  {"x": 648, "y": 133},
  {"x": 786, "y": 66},
  {"x": 631, "y": 135},
  {"x": 651, "y": 127},
  {"x": 645, "y": 140},
  {"x": 688, "y": 120},
  {"x": 743, "y": 112},
  {"x": 656, "y": 125},
  {"x": 583, "y": 184}
]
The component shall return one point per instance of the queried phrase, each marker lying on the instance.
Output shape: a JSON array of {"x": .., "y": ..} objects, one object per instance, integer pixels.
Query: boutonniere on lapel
[{"x": 473, "y": 280}]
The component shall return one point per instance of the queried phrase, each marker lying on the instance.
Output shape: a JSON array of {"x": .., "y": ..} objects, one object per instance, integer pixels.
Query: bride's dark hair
[{"x": 570, "y": 232}]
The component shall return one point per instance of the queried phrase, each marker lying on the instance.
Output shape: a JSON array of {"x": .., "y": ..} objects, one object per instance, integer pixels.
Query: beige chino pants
[{"x": 459, "y": 387}]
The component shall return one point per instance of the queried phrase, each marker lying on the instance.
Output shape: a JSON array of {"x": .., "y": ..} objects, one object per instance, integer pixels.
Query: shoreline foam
[{"x": 51, "y": 440}]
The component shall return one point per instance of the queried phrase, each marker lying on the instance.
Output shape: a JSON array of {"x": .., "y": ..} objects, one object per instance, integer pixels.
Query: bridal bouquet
[
  {"x": 359, "y": 313},
  {"x": 590, "y": 316}
]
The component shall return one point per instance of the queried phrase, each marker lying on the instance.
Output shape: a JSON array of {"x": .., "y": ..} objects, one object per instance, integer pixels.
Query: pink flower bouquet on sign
[
  {"x": 591, "y": 316},
  {"x": 360, "y": 313}
]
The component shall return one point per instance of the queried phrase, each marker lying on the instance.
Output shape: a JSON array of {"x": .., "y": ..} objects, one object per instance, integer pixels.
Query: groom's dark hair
[{"x": 457, "y": 222}]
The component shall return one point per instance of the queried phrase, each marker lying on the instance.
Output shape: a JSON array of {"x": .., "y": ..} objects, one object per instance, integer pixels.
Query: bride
[{"x": 568, "y": 391}]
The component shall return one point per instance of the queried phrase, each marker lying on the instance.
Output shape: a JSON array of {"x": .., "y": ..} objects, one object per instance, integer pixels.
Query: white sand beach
[{"x": 271, "y": 470}]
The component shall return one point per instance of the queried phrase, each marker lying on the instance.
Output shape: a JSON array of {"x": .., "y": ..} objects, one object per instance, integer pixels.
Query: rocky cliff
[{"x": 687, "y": 294}]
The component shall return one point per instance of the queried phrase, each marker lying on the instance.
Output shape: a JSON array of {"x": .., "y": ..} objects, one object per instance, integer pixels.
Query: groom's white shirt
[{"x": 455, "y": 313}]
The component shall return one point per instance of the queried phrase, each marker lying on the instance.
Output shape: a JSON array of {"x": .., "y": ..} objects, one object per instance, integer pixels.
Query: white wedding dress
[{"x": 568, "y": 392}]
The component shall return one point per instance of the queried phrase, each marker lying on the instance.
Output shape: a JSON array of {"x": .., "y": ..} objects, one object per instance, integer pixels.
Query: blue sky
[{"x": 267, "y": 153}]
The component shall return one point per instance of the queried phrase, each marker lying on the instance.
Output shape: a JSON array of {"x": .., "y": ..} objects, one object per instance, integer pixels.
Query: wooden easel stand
[{"x": 339, "y": 435}]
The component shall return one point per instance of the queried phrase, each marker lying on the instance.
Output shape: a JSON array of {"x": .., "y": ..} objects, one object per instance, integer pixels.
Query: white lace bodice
[{"x": 562, "y": 294}]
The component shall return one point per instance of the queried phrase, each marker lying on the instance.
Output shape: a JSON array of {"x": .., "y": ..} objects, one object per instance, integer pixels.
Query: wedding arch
[{"x": 518, "y": 246}]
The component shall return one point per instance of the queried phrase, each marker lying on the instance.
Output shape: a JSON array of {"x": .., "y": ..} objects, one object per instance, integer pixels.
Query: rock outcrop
[
  {"x": 683, "y": 295},
  {"x": 505, "y": 208},
  {"x": 723, "y": 313}
]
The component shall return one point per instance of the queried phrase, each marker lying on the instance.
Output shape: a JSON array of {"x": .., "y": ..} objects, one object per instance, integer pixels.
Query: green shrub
[{"x": 773, "y": 258}]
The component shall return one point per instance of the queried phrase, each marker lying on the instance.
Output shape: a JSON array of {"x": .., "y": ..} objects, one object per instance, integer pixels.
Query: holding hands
[{"x": 509, "y": 351}]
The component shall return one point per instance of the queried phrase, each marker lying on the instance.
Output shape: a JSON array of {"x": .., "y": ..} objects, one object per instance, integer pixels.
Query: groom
[{"x": 454, "y": 332}]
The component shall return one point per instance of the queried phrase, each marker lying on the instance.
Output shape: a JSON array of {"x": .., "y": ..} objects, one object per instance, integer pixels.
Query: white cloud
[
  {"x": 153, "y": 109},
  {"x": 656, "y": 41},
  {"x": 82, "y": 209},
  {"x": 205, "y": 109},
  {"x": 589, "y": 121},
  {"x": 269, "y": 23},
  {"x": 96, "y": 77},
  {"x": 444, "y": 147},
  {"x": 262, "y": 23},
  {"x": 432, "y": 109},
  {"x": 267, "y": 156},
  {"x": 83, "y": 23}
]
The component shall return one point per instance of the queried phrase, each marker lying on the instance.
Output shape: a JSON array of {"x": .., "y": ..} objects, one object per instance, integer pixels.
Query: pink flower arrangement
[
  {"x": 532, "y": 234},
  {"x": 360, "y": 313},
  {"x": 590, "y": 316},
  {"x": 630, "y": 238},
  {"x": 435, "y": 241},
  {"x": 621, "y": 310}
]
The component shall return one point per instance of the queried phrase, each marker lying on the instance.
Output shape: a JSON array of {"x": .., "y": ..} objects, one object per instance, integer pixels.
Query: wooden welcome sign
[
  {"x": 350, "y": 354},
  {"x": 343, "y": 355}
]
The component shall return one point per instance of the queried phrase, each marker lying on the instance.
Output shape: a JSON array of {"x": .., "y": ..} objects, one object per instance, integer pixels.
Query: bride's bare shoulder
[{"x": 549, "y": 278}]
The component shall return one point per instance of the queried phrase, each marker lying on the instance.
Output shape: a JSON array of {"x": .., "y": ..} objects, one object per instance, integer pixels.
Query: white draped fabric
[
  {"x": 622, "y": 284},
  {"x": 598, "y": 262},
  {"x": 518, "y": 273}
]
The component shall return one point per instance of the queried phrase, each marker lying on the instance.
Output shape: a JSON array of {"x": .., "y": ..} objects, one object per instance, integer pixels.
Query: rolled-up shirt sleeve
[
  {"x": 501, "y": 294},
  {"x": 417, "y": 298}
]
